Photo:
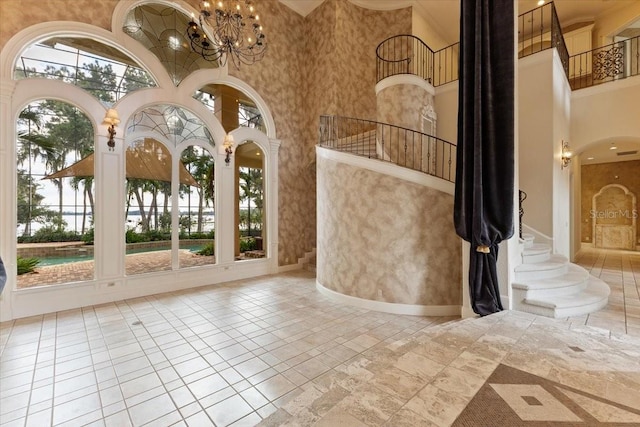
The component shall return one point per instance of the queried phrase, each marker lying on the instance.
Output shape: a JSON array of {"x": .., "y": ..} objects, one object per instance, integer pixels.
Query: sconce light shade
[
  {"x": 228, "y": 147},
  {"x": 111, "y": 119},
  {"x": 566, "y": 154}
]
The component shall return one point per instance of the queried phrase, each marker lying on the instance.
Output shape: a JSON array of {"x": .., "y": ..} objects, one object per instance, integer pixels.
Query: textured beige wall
[
  {"x": 16, "y": 15},
  {"x": 339, "y": 78},
  {"x": 384, "y": 234},
  {"x": 594, "y": 177},
  {"x": 279, "y": 79},
  {"x": 321, "y": 64},
  {"x": 358, "y": 32},
  {"x": 402, "y": 105}
]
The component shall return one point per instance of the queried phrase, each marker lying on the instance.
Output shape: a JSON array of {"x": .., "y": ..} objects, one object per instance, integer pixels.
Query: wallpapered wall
[
  {"x": 324, "y": 63},
  {"x": 400, "y": 243},
  {"x": 402, "y": 105},
  {"x": 594, "y": 177}
]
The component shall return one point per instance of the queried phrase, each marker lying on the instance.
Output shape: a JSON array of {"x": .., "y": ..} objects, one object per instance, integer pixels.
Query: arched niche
[{"x": 614, "y": 217}]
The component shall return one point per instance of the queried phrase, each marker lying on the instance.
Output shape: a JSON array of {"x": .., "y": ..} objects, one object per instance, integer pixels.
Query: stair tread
[
  {"x": 596, "y": 290},
  {"x": 554, "y": 261},
  {"x": 536, "y": 249},
  {"x": 575, "y": 275}
]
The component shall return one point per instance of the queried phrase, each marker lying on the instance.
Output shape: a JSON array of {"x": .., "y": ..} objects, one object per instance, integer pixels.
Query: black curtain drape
[{"x": 483, "y": 208}]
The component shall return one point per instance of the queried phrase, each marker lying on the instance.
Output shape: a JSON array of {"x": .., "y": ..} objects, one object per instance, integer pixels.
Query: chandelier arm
[{"x": 228, "y": 31}]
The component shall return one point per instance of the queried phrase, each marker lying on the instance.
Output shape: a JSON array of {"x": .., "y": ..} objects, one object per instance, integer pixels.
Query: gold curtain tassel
[{"x": 483, "y": 249}]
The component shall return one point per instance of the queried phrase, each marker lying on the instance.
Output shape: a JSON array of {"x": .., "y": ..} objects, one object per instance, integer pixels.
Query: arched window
[
  {"x": 250, "y": 213},
  {"x": 101, "y": 70},
  {"x": 161, "y": 30},
  {"x": 197, "y": 209},
  {"x": 55, "y": 194},
  {"x": 154, "y": 133}
]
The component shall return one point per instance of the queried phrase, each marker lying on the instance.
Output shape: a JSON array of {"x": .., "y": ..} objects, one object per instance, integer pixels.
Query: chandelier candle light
[{"x": 232, "y": 29}]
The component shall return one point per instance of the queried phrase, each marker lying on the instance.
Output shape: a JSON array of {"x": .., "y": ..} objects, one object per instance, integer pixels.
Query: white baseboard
[
  {"x": 388, "y": 307},
  {"x": 289, "y": 267}
]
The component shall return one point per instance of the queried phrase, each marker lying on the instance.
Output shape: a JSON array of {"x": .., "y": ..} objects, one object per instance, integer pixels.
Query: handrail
[
  {"x": 614, "y": 61},
  {"x": 445, "y": 64},
  {"x": 404, "y": 54},
  {"x": 401, "y": 146},
  {"x": 522, "y": 196},
  {"x": 538, "y": 30},
  {"x": 539, "y": 233}
]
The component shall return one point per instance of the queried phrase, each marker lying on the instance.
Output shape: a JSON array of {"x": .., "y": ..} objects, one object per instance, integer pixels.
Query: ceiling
[{"x": 602, "y": 152}]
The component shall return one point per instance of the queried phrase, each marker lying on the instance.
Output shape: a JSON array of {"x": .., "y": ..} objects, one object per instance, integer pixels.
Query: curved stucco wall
[
  {"x": 385, "y": 239},
  {"x": 402, "y": 102}
]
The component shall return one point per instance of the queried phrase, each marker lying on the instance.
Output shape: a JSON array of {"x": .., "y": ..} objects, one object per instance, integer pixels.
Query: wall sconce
[
  {"x": 566, "y": 154},
  {"x": 228, "y": 147},
  {"x": 111, "y": 119}
]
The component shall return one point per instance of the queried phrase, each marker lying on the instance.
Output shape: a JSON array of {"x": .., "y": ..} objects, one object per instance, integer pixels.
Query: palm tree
[
  {"x": 251, "y": 190},
  {"x": 31, "y": 144},
  {"x": 200, "y": 164}
]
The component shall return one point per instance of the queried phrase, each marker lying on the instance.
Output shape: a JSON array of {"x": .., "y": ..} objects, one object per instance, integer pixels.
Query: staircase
[
  {"x": 549, "y": 285},
  {"x": 363, "y": 144}
]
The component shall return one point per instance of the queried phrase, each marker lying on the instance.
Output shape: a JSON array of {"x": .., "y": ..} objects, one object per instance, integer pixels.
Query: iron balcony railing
[
  {"x": 538, "y": 30},
  {"x": 404, "y": 54},
  {"x": 604, "y": 64},
  {"x": 445, "y": 64},
  {"x": 407, "y": 54},
  {"x": 395, "y": 144}
]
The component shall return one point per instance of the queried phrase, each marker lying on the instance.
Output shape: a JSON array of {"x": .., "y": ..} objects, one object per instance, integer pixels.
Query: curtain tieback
[{"x": 483, "y": 249}]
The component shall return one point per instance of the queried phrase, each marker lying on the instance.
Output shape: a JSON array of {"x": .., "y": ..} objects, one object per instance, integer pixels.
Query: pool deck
[{"x": 138, "y": 263}]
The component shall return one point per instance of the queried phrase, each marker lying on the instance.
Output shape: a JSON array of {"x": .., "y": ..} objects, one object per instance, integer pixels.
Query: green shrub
[
  {"x": 26, "y": 265},
  {"x": 248, "y": 244},
  {"x": 51, "y": 234},
  {"x": 133, "y": 237},
  {"x": 194, "y": 235},
  {"x": 88, "y": 236},
  {"x": 207, "y": 250},
  {"x": 157, "y": 235}
]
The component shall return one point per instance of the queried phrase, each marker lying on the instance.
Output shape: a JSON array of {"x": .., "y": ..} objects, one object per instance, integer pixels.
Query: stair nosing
[{"x": 560, "y": 302}]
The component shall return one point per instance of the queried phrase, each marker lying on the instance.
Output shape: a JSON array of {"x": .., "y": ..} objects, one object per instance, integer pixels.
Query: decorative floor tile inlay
[{"x": 512, "y": 397}]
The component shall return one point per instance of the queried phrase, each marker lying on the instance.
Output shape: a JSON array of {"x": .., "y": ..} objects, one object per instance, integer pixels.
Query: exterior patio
[{"x": 138, "y": 263}]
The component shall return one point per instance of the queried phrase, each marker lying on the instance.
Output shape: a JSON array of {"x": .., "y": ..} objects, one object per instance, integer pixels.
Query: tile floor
[
  {"x": 621, "y": 271},
  {"x": 271, "y": 351}
]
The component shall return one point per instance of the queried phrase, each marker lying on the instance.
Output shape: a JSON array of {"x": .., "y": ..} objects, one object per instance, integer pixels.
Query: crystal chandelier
[{"x": 232, "y": 29}]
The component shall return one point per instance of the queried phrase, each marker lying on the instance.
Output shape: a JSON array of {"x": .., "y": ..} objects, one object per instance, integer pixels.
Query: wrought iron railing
[
  {"x": 395, "y": 144},
  {"x": 522, "y": 196},
  {"x": 604, "y": 64},
  {"x": 404, "y": 54},
  {"x": 445, "y": 64},
  {"x": 538, "y": 30}
]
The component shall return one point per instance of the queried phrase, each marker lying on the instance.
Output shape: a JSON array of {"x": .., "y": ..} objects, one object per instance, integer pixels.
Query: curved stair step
[
  {"x": 556, "y": 265},
  {"x": 574, "y": 280},
  {"x": 593, "y": 298},
  {"x": 537, "y": 252},
  {"x": 528, "y": 239}
]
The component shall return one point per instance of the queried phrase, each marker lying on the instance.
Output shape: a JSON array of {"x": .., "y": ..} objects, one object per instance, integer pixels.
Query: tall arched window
[
  {"x": 150, "y": 198},
  {"x": 55, "y": 194},
  {"x": 197, "y": 218}
]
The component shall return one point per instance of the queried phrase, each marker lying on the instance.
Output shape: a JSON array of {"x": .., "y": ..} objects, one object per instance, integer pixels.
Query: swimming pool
[{"x": 78, "y": 257}]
